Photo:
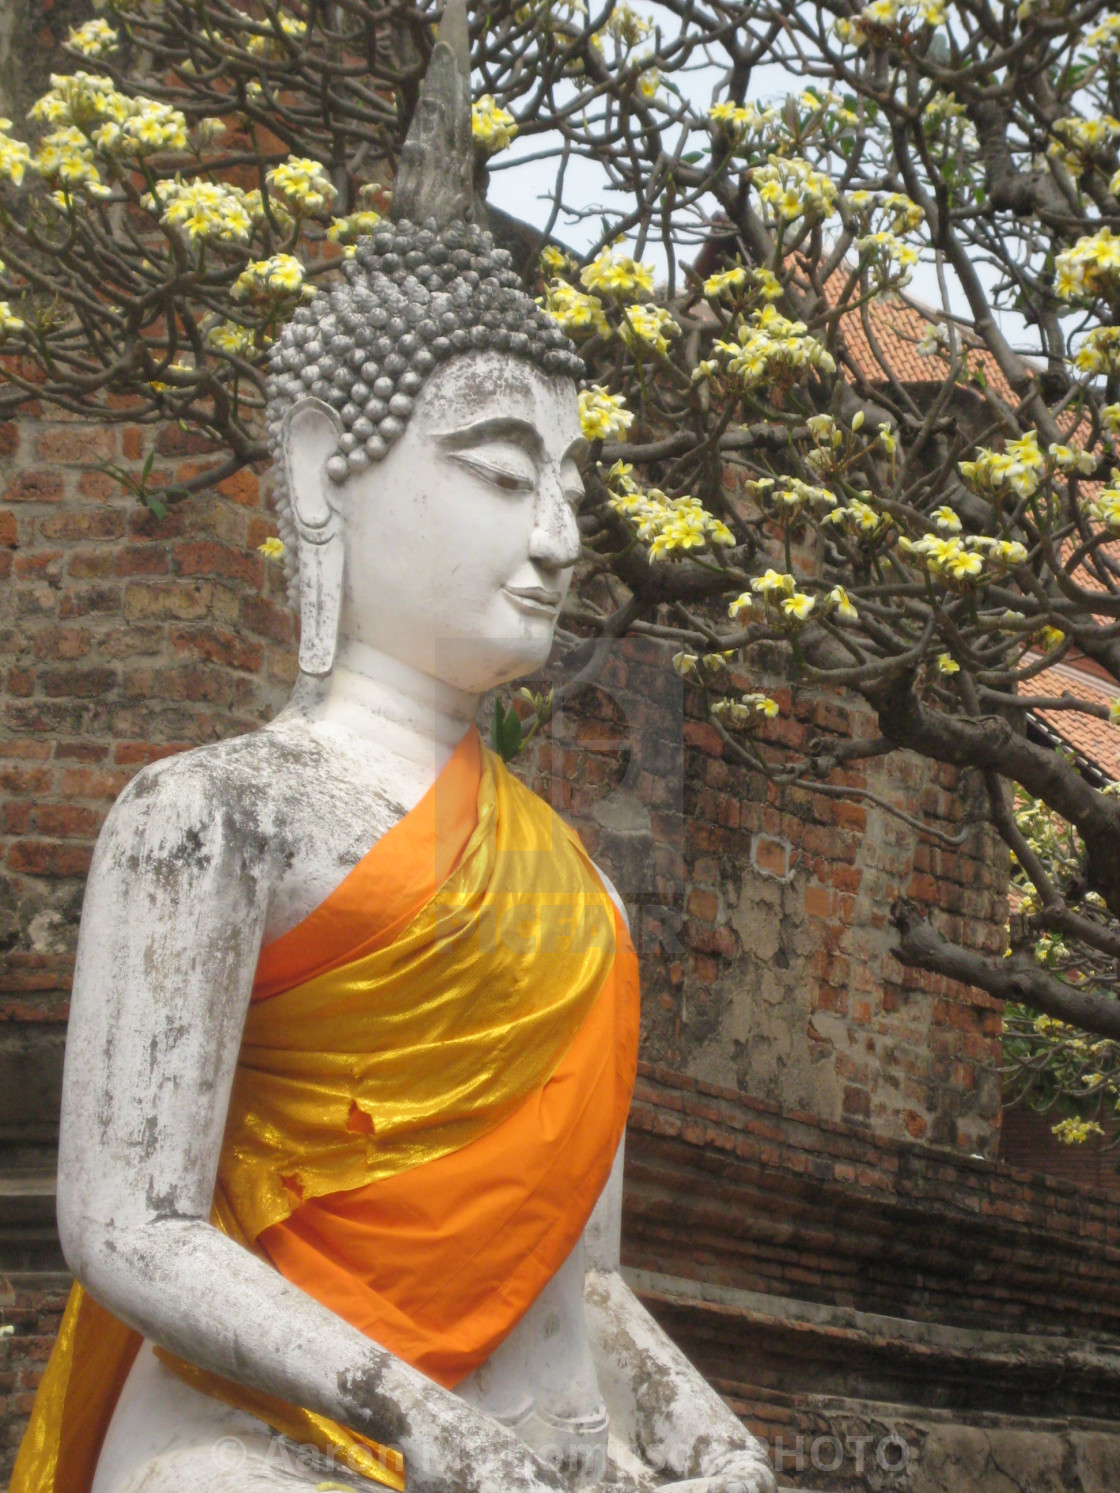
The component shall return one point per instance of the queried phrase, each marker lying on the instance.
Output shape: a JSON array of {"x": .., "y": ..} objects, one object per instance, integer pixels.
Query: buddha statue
[{"x": 354, "y": 1025}]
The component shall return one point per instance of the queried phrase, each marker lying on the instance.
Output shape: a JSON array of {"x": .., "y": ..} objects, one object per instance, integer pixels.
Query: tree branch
[{"x": 1018, "y": 978}]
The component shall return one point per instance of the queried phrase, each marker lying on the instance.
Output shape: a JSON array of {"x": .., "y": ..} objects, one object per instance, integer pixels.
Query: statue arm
[
  {"x": 170, "y": 933},
  {"x": 658, "y": 1402}
]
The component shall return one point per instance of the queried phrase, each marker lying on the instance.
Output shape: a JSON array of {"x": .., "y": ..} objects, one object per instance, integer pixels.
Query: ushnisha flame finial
[{"x": 435, "y": 179}]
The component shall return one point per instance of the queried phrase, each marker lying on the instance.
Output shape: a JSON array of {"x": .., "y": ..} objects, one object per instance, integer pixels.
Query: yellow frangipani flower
[
  {"x": 730, "y": 279},
  {"x": 618, "y": 275},
  {"x": 554, "y": 261},
  {"x": 1090, "y": 268},
  {"x": 841, "y": 603},
  {"x": 15, "y": 156},
  {"x": 346, "y": 230},
  {"x": 774, "y": 583},
  {"x": 575, "y": 311},
  {"x": 798, "y": 606},
  {"x": 946, "y": 520},
  {"x": 493, "y": 127},
  {"x": 603, "y": 414},
  {"x": 303, "y": 183},
  {"x": 93, "y": 39},
  {"x": 1073, "y": 1132},
  {"x": 648, "y": 325},
  {"x": 9, "y": 322},
  {"x": 280, "y": 275},
  {"x": 272, "y": 47}
]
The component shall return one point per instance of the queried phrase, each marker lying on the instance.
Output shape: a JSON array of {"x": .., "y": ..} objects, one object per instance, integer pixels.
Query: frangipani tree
[{"x": 789, "y": 457}]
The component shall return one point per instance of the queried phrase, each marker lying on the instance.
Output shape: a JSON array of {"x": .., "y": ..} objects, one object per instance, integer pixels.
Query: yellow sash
[{"x": 417, "y": 1048}]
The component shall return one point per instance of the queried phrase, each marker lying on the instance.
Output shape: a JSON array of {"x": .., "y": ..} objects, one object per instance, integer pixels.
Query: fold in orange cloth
[{"x": 434, "y": 1079}]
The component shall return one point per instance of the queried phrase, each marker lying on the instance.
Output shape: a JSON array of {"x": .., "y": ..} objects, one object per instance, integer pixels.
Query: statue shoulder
[{"x": 225, "y": 797}]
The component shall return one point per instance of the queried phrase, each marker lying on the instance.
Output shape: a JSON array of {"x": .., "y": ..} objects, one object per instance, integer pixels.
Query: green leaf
[{"x": 505, "y": 733}]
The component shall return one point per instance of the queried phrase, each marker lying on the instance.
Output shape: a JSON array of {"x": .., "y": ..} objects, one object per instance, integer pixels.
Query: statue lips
[{"x": 534, "y": 599}]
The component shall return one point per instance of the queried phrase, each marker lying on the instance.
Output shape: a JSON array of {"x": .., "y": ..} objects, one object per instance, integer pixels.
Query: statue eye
[
  {"x": 507, "y": 481},
  {"x": 512, "y": 471}
]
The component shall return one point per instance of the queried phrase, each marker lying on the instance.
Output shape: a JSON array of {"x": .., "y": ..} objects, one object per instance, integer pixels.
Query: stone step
[{"x": 28, "y": 1228}]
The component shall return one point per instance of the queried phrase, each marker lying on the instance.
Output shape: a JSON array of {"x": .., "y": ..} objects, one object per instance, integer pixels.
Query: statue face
[{"x": 460, "y": 543}]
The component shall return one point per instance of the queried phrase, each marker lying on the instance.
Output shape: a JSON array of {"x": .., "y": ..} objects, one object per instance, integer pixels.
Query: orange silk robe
[{"x": 433, "y": 1080}]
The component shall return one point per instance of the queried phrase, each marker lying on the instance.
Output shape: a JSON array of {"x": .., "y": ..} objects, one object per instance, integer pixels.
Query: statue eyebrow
[{"x": 493, "y": 429}]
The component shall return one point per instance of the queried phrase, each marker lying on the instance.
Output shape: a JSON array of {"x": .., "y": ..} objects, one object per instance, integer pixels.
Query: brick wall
[
  {"x": 122, "y": 638},
  {"x": 762, "y": 914},
  {"x": 842, "y": 1289}
]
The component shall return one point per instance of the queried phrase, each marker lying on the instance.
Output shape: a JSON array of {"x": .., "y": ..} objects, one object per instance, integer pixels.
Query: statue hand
[{"x": 744, "y": 1470}]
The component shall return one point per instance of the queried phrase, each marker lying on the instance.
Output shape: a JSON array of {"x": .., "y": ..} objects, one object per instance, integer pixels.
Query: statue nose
[{"x": 554, "y": 542}]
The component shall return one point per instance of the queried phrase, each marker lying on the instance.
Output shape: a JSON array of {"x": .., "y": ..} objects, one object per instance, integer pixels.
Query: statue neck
[{"x": 413, "y": 719}]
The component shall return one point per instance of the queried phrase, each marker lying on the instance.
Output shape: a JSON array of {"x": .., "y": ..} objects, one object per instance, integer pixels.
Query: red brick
[
  {"x": 856, "y": 1105},
  {"x": 86, "y": 601},
  {"x": 703, "y": 905},
  {"x": 49, "y": 858},
  {"x": 34, "y": 487},
  {"x": 173, "y": 600},
  {"x": 173, "y": 440},
  {"x": 86, "y": 782},
  {"x": 84, "y": 523},
  {"x": 67, "y": 821},
  {"x": 9, "y": 529},
  {"x": 35, "y": 750},
  {"x": 770, "y": 856},
  {"x": 141, "y": 559},
  {"x": 85, "y": 444},
  {"x": 99, "y": 486},
  {"x": 61, "y": 643},
  {"x": 91, "y": 564},
  {"x": 268, "y": 620},
  {"x": 15, "y": 818},
  {"x": 206, "y": 557},
  {"x": 79, "y": 751},
  {"x": 819, "y": 902},
  {"x": 143, "y": 524},
  {"x": 77, "y": 683},
  {"x": 131, "y": 753},
  {"x": 243, "y": 488},
  {"x": 30, "y": 567}
]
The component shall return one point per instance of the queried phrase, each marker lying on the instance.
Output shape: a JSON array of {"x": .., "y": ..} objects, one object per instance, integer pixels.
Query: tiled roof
[
  {"x": 1094, "y": 739},
  {"x": 897, "y": 327}
]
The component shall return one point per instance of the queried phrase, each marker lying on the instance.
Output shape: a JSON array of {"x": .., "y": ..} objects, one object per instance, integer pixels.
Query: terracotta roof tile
[{"x": 1097, "y": 740}]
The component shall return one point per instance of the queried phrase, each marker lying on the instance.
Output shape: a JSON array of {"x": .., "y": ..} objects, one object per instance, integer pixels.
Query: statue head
[{"x": 380, "y": 388}]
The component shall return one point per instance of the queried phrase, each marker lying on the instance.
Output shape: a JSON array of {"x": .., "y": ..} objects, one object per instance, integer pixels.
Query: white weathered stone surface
[{"x": 441, "y": 574}]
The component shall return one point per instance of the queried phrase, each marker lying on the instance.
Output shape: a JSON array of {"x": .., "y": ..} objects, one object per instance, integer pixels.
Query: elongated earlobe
[{"x": 310, "y": 437}]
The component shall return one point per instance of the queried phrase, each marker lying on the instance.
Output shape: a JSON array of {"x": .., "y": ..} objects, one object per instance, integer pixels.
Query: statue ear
[{"x": 310, "y": 438}]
